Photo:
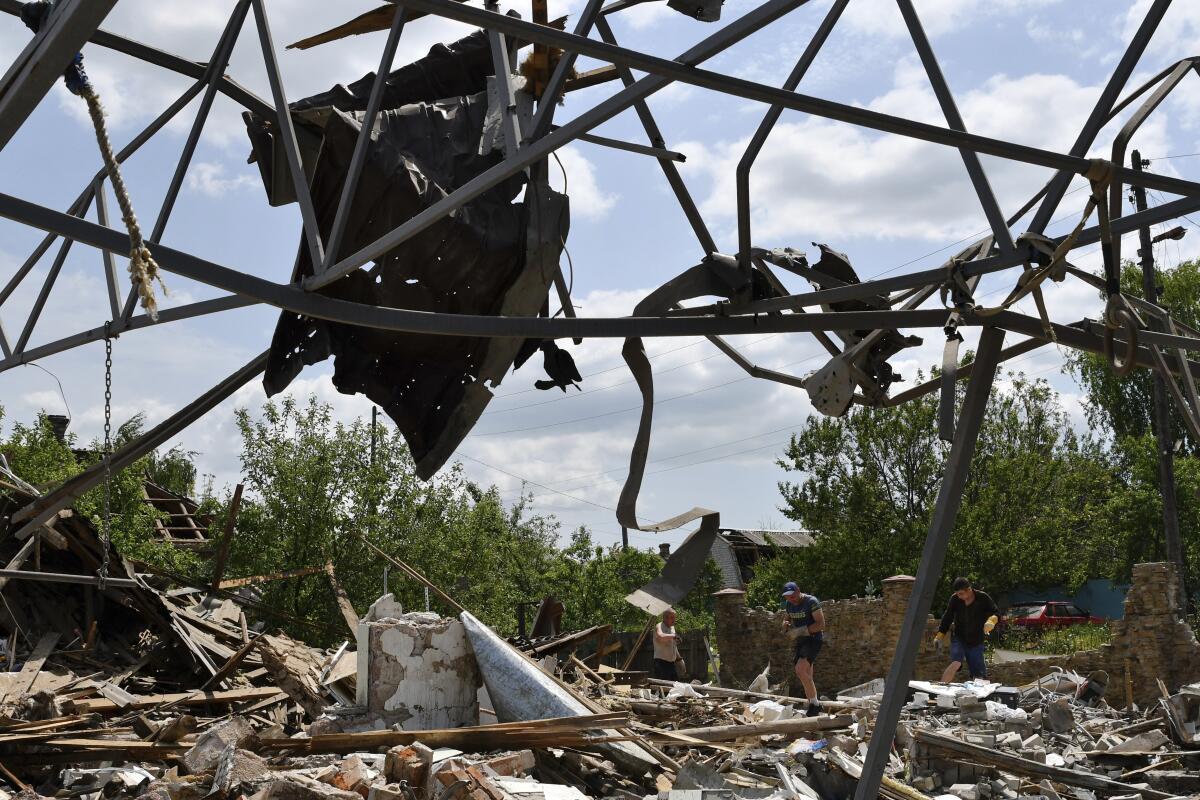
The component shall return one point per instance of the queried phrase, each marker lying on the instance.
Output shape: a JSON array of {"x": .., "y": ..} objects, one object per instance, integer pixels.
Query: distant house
[{"x": 737, "y": 550}]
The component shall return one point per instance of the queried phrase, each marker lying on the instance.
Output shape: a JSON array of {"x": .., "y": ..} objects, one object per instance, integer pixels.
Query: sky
[{"x": 1024, "y": 70}]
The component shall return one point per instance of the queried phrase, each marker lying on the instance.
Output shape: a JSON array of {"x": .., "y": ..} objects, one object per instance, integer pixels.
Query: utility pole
[{"x": 1162, "y": 415}]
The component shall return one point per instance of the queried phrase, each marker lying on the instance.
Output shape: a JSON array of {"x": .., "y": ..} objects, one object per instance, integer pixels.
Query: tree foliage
[
  {"x": 1042, "y": 506},
  {"x": 1125, "y": 406},
  {"x": 38, "y": 457},
  {"x": 314, "y": 494}
]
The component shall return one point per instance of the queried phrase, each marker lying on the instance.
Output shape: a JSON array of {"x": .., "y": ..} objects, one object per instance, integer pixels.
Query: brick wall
[{"x": 861, "y": 637}]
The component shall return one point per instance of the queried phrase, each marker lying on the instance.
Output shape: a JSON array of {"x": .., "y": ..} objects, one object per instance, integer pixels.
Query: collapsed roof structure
[{"x": 459, "y": 272}]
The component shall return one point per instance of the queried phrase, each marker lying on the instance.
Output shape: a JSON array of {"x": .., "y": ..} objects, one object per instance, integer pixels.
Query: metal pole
[
  {"x": 624, "y": 538},
  {"x": 374, "y": 424},
  {"x": 945, "y": 98},
  {"x": 912, "y": 631},
  {"x": 1162, "y": 415},
  {"x": 768, "y": 124}
]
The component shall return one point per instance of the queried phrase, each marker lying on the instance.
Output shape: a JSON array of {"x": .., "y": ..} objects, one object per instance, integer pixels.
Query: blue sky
[{"x": 1027, "y": 70}]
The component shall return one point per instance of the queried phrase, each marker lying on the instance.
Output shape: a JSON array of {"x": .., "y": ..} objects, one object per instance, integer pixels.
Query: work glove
[
  {"x": 990, "y": 624},
  {"x": 938, "y": 641},
  {"x": 796, "y": 633}
]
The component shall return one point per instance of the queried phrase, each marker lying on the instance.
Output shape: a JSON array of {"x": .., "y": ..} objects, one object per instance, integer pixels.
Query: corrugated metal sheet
[{"x": 766, "y": 538}]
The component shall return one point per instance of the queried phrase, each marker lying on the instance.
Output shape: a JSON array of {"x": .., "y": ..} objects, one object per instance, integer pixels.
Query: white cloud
[
  {"x": 823, "y": 180},
  {"x": 938, "y": 17},
  {"x": 208, "y": 178},
  {"x": 588, "y": 200}
]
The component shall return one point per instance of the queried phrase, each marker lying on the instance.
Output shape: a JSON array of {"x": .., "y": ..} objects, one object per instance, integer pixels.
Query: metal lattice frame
[{"x": 1149, "y": 336}]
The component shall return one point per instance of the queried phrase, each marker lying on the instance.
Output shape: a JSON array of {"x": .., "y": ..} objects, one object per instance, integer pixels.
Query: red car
[{"x": 1050, "y": 614}]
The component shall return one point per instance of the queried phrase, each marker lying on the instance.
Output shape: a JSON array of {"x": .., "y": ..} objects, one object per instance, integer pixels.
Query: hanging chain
[{"x": 106, "y": 521}]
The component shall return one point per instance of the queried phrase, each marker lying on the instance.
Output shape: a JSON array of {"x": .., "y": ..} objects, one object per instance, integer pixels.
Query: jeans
[{"x": 971, "y": 656}]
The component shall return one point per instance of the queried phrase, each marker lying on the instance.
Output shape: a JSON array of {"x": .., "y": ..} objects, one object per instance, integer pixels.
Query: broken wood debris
[{"x": 150, "y": 688}]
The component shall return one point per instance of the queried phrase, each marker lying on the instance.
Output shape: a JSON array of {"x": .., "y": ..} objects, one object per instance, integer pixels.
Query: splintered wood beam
[
  {"x": 235, "y": 505},
  {"x": 593, "y": 77},
  {"x": 343, "y": 601}
]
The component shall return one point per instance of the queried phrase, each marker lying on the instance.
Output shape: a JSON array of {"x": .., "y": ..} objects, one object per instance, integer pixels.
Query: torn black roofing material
[{"x": 495, "y": 256}]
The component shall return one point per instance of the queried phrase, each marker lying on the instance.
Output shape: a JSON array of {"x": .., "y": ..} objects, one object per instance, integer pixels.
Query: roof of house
[
  {"x": 765, "y": 538},
  {"x": 731, "y": 539}
]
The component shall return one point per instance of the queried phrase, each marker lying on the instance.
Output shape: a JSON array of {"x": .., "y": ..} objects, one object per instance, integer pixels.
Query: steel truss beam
[
  {"x": 945, "y": 510},
  {"x": 292, "y": 298},
  {"x": 43, "y": 60},
  {"x": 43, "y": 508}
]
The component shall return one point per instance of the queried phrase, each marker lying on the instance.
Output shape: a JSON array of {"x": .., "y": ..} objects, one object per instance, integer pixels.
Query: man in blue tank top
[{"x": 805, "y": 622}]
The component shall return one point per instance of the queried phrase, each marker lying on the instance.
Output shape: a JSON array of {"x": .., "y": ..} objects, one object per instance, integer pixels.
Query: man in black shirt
[{"x": 973, "y": 614}]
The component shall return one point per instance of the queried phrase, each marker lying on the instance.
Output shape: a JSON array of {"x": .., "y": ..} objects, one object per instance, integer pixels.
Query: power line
[
  {"x": 625, "y": 382},
  {"x": 534, "y": 483},
  {"x": 632, "y": 408},
  {"x": 739, "y": 440}
]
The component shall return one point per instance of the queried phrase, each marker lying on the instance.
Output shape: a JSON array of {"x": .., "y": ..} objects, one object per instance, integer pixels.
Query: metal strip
[
  {"x": 765, "y": 127},
  {"x": 36, "y": 68},
  {"x": 216, "y": 69},
  {"x": 109, "y": 264},
  {"x": 292, "y": 298},
  {"x": 670, "y": 171},
  {"x": 44, "y": 294},
  {"x": 189, "y": 311},
  {"x": 85, "y": 196},
  {"x": 684, "y": 71},
  {"x": 1100, "y": 113},
  {"x": 617, "y": 144},
  {"x": 287, "y": 132}
]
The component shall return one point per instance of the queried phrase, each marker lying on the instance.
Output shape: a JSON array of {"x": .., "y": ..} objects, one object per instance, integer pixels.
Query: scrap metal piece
[
  {"x": 520, "y": 691},
  {"x": 495, "y": 257},
  {"x": 682, "y": 569},
  {"x": 703, "y": 10},
  {"x": 831, "y": 388}
]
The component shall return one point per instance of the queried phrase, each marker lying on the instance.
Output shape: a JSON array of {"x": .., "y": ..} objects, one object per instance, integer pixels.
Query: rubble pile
[{"x": 140, "y": 686}]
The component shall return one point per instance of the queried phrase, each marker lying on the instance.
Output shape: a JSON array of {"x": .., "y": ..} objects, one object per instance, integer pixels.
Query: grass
[{"x": 1056, "y": 641}]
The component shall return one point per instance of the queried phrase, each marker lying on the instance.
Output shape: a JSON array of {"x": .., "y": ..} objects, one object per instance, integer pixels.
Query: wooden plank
[
  {"x": 1025, "y": 766},
  {"x": 344, "y": 605},
  {"x": 235, "y": 506},
  {"x": 197, "y": 698},
  {"x": 235, "y": 583},
  {"x": 726, "y": 733},
  {"x": 33, "y": 666},
  {"x": 229, "y": 666}
]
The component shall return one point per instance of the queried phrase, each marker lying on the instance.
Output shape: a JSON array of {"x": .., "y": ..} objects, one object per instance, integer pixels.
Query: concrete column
[{"x": 416, "y": 669}]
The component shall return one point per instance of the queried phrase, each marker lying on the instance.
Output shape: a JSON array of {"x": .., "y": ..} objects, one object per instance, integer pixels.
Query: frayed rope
[{"x": 143, "y": 270}]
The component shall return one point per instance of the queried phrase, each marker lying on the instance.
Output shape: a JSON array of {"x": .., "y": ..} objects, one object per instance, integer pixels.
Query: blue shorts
[
  {"x": 807, "y": 648},
  {"x": 972, "y": 656}
]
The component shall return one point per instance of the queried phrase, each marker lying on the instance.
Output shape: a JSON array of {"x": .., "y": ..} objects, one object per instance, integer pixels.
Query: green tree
[
  {"x": 37, "y": 456},
  {"x": 313, "y": 493},
  {"x": 1125, "y": 406},
  {"x": 1036, "y": 503}
]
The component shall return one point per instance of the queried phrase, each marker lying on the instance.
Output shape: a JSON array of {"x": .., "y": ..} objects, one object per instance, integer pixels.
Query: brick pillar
[
  {"x": 896, "y": 592},
  {"x": 731, "y": 634}
]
